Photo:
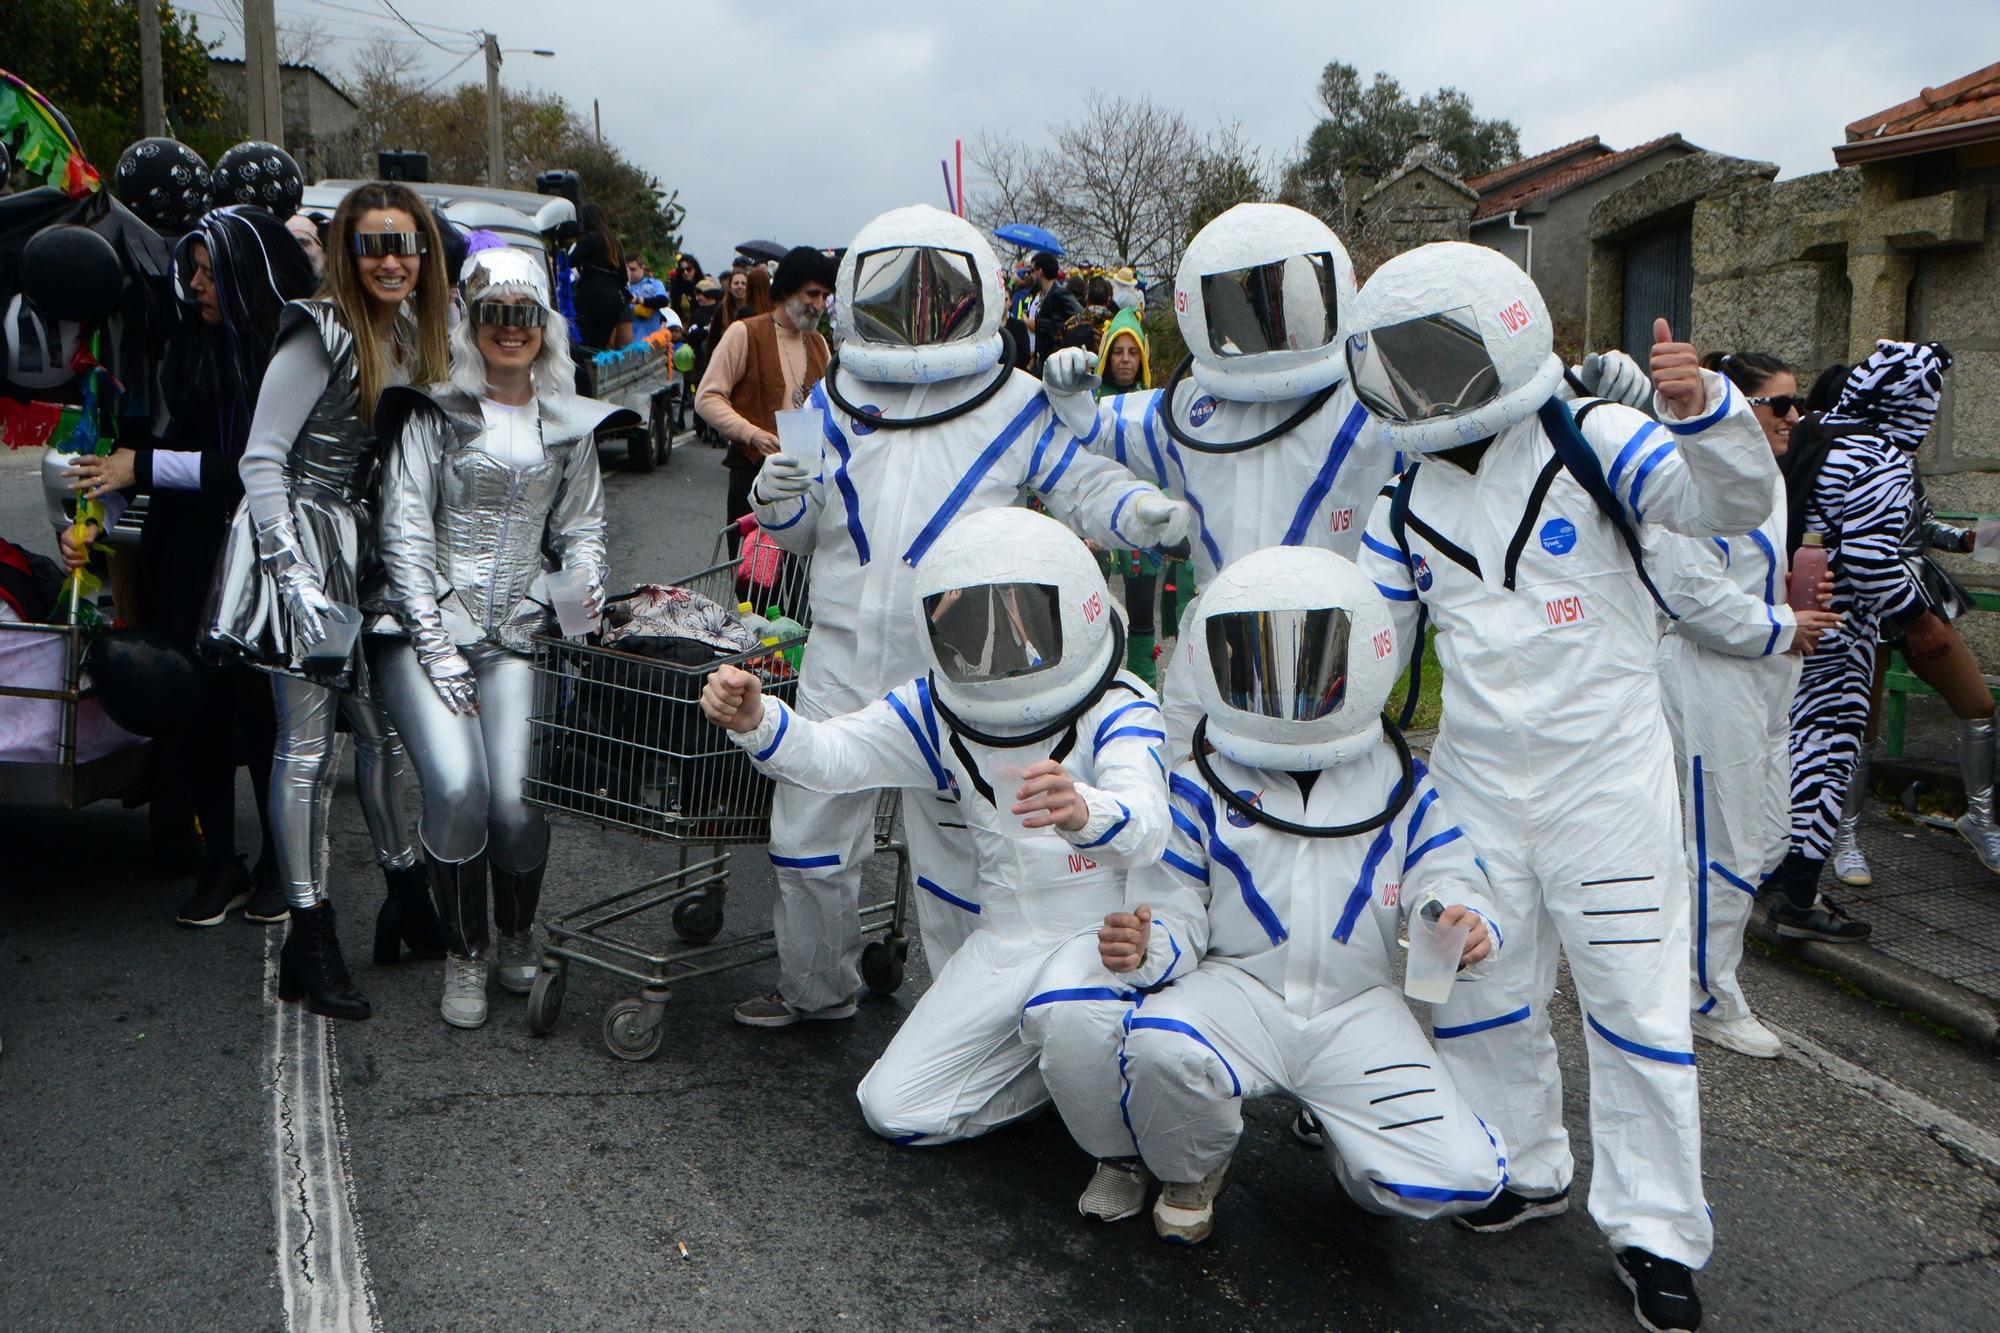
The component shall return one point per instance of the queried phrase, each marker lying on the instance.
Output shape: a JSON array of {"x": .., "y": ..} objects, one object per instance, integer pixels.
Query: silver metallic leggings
[
  {"x": 300, "y": 781},
  {"x": 472, "y": 768}
]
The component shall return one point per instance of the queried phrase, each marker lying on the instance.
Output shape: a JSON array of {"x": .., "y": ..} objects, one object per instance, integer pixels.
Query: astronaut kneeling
[
  {"x": 1303, "y": 835},
  {"x": 1028, "y": 719}
]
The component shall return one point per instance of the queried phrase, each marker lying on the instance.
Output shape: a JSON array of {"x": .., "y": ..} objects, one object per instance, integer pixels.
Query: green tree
[{"x": 83, "y": 55}]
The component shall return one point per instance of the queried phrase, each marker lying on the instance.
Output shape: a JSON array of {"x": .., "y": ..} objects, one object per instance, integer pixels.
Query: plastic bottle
[
  {"x": 755, "y": 623},
  {"x": 788, "y": 631},
  {"x": 1808, "y": 568}
]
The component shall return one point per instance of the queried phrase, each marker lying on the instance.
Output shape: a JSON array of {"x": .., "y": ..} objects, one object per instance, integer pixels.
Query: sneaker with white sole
[
  {"x": 1850, "y": 866},
  {"x": 464, "y": 1003},
  {"x": 1307, "y": 1130},
  {"x": 1745, "y": 1035},
  {"x": 1663, "y": 1294},
  {"x": 517, "y": 963},
  {"x": 772, "y": 1011},
  {"x": 1510, "y": 1210},
  {"x": 1184, "y": 1214},
  {"x": 1117, "y": 1191}
]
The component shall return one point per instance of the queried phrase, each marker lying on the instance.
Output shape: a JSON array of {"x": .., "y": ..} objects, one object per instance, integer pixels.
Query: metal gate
[{"x": 1659, "y": 282}]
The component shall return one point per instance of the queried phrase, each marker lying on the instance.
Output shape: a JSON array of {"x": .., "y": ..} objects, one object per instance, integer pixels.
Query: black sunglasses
[
  {"x": 1782, "y": 404},
  {"x": 510, "y": 314}
]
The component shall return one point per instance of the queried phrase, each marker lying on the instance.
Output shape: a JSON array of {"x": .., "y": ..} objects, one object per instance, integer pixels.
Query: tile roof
[
  {"x": 1489, "y": 180},
  {"x": 1506, "y": 198},
  {"x": 1976, "y": 96}
]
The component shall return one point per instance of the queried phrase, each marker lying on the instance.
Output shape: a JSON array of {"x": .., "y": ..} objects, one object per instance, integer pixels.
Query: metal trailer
[
  {"x": 643, "y": 382},
  {"x": 619, "y": 740},
  {"x": 65, "y": 781}
]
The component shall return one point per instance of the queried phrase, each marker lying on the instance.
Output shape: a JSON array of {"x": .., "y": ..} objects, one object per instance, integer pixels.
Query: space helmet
[{"x": 917, "y": 299}]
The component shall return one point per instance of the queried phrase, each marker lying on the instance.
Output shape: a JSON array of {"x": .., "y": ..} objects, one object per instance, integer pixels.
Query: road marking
[
  {"x": 322, "y": 1267},
  {"x": 1953, "y": 1131}
]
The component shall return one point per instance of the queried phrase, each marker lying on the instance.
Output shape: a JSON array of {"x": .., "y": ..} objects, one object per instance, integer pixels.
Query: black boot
[
  {"x": 310, "y": 967},
  {"x": 407, "y": 917},
  {"x": 516, "y": 895}
]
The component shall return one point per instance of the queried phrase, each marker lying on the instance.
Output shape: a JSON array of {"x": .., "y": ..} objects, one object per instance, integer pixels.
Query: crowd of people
[{"x": 1143, "y": 900}]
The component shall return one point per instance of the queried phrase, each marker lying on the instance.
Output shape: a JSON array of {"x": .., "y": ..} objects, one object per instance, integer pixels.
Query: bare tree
[{"x": 303, "y": 41}]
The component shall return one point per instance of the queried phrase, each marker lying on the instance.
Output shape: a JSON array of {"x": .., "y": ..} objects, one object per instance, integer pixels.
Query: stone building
[
  {"x": 1537, "y": 212},
  {"x": 322, "y": 123},
  {"x": 1417, "y": 203}
]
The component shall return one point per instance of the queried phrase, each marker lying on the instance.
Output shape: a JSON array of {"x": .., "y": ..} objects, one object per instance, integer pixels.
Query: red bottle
[{"x": 1808, "y": 568}]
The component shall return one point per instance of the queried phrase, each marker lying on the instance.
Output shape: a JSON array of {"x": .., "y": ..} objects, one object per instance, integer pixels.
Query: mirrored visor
[
  {"x": 1421, "y": 369},
  {"x": 1290, "y": 665},
  {"x": 375, "y": 244},
  {"x": 1288, "y": 305},
  {"x": 916, "y": 296},
  {"x": 995, "y": 631},
  {"x": 510, "y": 314}
]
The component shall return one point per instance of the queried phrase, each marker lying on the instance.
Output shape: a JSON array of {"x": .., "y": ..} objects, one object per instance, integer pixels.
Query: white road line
[
  {"x": 1953, "y": 1131},
  {"x": 322, "y": 1267}
]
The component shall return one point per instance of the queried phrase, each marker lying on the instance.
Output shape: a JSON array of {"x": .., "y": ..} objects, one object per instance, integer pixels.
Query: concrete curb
[{"x": 1884, "y": 978}]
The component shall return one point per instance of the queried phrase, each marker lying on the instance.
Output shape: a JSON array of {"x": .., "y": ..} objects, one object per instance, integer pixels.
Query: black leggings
[
  {"x": 232, "y": 723},
  {"x": 1142, "y": 597}
]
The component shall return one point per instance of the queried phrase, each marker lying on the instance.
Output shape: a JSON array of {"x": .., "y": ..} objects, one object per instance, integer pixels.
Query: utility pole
[
  {"x": 495, "y": 168},
  {"x": 597, "y": 119},
  {"x": 263, "y": 98},
  {"x": 152, "y": 102}
]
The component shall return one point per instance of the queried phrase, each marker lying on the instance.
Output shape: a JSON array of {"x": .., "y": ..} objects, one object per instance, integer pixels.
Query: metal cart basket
[{"x": 618, "y": 739}]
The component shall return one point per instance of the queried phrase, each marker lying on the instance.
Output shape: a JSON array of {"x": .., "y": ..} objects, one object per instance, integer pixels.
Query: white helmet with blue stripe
[{"x": 917, "y": 299}]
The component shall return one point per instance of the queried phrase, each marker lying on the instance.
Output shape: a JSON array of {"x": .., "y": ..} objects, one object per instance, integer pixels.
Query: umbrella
[
  {"x": 762, "y": 250},
  {"x": 1029, "y": 237}
]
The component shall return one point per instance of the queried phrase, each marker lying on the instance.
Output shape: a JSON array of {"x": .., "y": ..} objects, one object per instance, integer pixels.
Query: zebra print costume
[{"x": 1861, "y": 504}]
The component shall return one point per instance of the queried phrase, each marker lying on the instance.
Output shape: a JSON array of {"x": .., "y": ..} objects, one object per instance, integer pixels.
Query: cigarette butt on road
[{"x": 682, "y": 1246}]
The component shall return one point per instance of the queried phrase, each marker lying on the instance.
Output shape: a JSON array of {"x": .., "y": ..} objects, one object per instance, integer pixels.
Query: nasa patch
[
  {"x": 1201, "y": 409},
  {"x": 861, "y": 425},
  {"x": 1236, "y": 817},
  {"x": 1422, "y": 569},
  {"x": 1558, "y": 536}
]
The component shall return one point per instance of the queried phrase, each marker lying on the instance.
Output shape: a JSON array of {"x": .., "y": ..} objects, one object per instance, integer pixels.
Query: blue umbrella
[{"x": 1029, "y": 237}]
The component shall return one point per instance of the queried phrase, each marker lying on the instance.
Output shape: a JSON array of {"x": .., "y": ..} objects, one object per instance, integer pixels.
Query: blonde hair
[{"x": 343, "y": 287}]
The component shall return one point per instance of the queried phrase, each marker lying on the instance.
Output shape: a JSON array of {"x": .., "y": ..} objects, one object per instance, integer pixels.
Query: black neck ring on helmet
[
  {"x": 1001, "y": 374},
  {"x": 963, "y": 728},
  {"x": 1285, "y": 427},
  {"x": 1406, "y": 785}
]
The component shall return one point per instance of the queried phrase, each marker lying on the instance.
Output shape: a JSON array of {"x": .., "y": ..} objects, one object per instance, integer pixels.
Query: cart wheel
[
  {"x": 698, "y": 920},
  {"x": 882, "y": 964},
  {"x": 633, "y": 1029},
  {"x": 639, "y": 451},
  {"x": 660, "y": 431},
  {"x": 545, "y": 1000}
]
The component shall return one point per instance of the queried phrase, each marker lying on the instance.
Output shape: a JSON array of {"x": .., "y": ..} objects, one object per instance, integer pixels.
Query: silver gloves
[
  {"x": 780, "y": 478},
  {"x": 1617, "y": 377},
  {"x": 1070, "y": 370},
  {"x": 299, "y": 589},
  {"x": 452, "y": 678}
]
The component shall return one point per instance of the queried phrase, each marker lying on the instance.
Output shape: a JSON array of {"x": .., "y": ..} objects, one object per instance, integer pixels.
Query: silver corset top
[{"x": 489, "y": 519}]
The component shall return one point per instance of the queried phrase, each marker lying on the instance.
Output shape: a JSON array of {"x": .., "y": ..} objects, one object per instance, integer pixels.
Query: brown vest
[{"x": 760, "y": 394}]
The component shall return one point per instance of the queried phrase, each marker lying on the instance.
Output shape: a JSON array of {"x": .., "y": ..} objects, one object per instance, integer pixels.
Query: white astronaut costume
[
  {"x": 1024, "y": 665},
  {"x": 1553, "y": 750},
  {"x": 923, "y": 422},
  {"x": 1281, "y": 946},
  {"x": 1727, "y": 678}
]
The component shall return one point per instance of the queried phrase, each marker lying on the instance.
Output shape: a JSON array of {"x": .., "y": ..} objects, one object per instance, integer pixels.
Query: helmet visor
[
  {"x": 1425, "y": 368},
  {"x": 375, "y": 244},
  {"x": 995, "y": 631},
  {"x": 1290, "y": 665},
  {"x": 1288, "y": 305},
  {"x": 510, "y": 314},
  {"x": 916, "y": 296}
]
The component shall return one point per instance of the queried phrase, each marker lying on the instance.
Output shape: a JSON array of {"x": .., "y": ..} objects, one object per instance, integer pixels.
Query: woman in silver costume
[
  {"x": 304, "y": 541},
  {"x": 490, "y": 484}
]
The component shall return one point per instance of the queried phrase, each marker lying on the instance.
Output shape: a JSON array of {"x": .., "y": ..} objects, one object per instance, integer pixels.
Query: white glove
[
  {"x": 1617, "y": 377},
  {"x": 780, "y": 478},
  {"x": 451, "y": 676},
  {"x": 1160, "y": 521},
  {"x": 306, "y": 602},
  {"x": 1070, "y": 370}
]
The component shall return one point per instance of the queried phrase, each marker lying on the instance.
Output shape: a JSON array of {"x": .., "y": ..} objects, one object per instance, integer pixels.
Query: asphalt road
[{"x": 151, "y": 1120}]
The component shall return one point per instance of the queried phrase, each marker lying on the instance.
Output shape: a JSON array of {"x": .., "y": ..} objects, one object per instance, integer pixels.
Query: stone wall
[{"x": 1767, "y": 277}]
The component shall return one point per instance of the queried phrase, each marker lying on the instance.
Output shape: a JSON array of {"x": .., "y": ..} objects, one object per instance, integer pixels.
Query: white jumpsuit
[
  {"x": 1309, "y": 487},
  {"x": 1281, "y": 951},
  {"x": 957, "y": 1067},
  {"x": 1555, "y": 756},
  {"x": 1727, "y": 680},
  {"x": 879, "y": 500}
]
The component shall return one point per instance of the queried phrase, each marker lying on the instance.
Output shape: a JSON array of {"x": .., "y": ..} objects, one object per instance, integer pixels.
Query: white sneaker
[
  {"x": 1850, "y": 867},
  {"x": 1184, "y": 1214},
  {"x": 1985, "y": 840},
  {"x": 1117, "y": 1191},
  {"x": 464, "y": 1004},
  {"x": 518, "y": 962},
  {"x": 1745, "y": 1035}
]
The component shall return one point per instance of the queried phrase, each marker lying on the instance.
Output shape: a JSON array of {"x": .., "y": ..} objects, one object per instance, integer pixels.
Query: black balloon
[
  {"x": 70, "y": 272},
  {"x": 165, "y": 182},
  {"x": 144, "y": 679},
  {"x": 262, "y": 174}
]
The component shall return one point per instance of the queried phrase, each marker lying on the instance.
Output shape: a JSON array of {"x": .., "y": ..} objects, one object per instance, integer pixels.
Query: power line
[
  {"x": 448, "y": 73},
  {"x": 377, "y": 14},
  {"x": 413, "y": 28}
]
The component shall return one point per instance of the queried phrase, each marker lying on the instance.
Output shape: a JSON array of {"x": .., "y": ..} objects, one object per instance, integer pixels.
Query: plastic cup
[
  {"x": 799, "y": 433},
  {"x": 1007, "y": 781},
  {"x": 343, "y": 626},
  {"x": 1986, "y": 542},
  {"x": 569, "y": 593},
  {"x": 1433, "y": 963}
]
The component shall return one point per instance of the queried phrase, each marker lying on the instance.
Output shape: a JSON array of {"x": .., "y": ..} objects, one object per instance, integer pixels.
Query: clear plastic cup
[
  {"x": 800, "y": 430},
  {"x": 569, "y": 593},
  {"x": 1986, "y": 542},
  {"x": 1007, "y": 781},
  {"x": 343, "y": 626},
  {"x": 1433, "y": 962}
]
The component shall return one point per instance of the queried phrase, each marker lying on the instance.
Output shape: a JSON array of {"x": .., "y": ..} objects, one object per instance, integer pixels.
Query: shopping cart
[
  {"x": 58, "y": 750},
  {"x": 619, "y": 740}
]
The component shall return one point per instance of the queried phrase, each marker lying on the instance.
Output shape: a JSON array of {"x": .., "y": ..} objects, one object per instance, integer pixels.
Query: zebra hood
[{"x": 1893, "y": 394}]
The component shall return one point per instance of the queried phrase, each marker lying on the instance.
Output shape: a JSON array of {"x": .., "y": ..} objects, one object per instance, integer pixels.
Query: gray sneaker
[
  {"x": 771, "y": 1011},
  {"x": 518, "y": 962},
  {"x": 464, "y": 1004},
  {"x": 1116, "y": 1191},
  {"x": 1184, "y": 1214}
]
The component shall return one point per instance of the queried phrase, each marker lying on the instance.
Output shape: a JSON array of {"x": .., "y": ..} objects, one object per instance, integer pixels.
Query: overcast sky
[{"x": 800, "y": 121}]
